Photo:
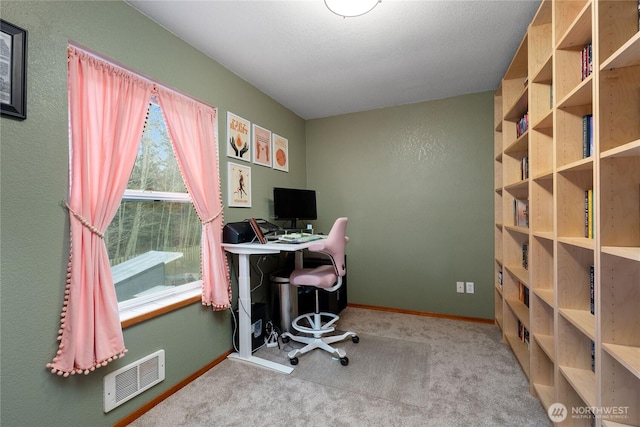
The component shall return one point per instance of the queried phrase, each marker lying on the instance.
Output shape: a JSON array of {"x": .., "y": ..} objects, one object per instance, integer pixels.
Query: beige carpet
[
  {"x": 379, "y": 367},
  {"x": 452, "y": 373}
]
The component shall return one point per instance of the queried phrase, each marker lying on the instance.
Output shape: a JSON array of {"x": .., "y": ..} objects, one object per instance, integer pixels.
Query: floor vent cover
[{"x": 131, "y": 380}]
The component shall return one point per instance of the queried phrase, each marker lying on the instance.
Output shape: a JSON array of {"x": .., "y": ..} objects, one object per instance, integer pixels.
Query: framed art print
[
  {"x": 239, "y": 183},
  {"x": 261, "y": 146},
  {"x": 280, "y": 153},
  {"x": 238, "y": 137},
  {"x": 13, "y": 71}
]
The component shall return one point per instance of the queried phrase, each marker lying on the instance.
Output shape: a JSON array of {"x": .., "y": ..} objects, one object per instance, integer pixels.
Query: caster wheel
[
  {"x": 294, "y": 361},
  {"x": 285, "y": 340},
  {"x": 355, "y": 339},
  {"x": 344, "y": 361}
]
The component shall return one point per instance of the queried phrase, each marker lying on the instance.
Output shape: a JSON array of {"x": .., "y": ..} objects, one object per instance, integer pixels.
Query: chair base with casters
[
  {"x": 319, "y": 324},
  {"x": 329, "y": 278}
]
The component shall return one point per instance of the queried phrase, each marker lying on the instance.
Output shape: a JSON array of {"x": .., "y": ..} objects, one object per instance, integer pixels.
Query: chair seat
[{"x": 321, "y": 277}]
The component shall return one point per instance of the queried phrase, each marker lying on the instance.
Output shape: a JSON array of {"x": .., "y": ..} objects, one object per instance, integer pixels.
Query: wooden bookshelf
[{"x": 582, "y": 151}]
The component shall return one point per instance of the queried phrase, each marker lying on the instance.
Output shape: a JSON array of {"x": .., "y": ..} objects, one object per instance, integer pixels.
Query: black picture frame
[{"x": 13, "y": 71}]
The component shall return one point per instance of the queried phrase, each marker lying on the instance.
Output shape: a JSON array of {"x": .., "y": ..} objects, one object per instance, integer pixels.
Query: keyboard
[{"x": 300, "y": 237}]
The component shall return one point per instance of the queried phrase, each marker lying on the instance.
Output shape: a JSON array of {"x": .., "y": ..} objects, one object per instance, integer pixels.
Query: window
[{"x": 153, "y": 241}]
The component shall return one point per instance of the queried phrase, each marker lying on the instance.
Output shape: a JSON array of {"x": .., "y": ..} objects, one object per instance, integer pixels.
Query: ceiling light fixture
[{"x": 351, "y": 8}]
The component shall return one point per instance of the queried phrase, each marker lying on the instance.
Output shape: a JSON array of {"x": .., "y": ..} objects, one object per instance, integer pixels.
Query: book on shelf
[
  {"x": 587, "y": 61},
  {"x": 587, "y": 136},
  {"x": 500, "y": 278},
  {"x": 551, "y": 94},
  {"x": 588, "y": 214},
  {"x": 522, "y": 125},
  {"x": 525, "y": 255},
  {"x": 523, "y": 333},
  {"x": 523, "y": 294},
  {"x": 524, "y": 168},
  {"x": 521, "y": 212},
  {"x": 592, "y": 289},
  {"x": 593, "y": 356}
]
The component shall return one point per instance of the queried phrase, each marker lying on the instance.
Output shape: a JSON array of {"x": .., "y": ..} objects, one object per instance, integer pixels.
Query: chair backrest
[{"x": 334, "y": 244}]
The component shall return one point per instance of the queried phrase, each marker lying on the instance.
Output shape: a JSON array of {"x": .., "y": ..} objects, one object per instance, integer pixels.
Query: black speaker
[{"x": 238, "y": 232}]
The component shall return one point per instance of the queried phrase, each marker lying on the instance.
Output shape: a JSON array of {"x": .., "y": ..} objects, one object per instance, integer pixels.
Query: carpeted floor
[{"x": 406, "y": 371}]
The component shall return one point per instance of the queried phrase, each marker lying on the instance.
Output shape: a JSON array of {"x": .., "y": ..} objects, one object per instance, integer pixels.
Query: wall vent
[{"x": 131, "y": 380}]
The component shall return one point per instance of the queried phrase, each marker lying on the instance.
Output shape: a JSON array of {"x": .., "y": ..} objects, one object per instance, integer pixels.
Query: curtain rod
[{"x": 137, "y": 73}]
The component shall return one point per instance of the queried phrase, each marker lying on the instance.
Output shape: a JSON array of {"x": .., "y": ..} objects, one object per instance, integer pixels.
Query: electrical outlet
[
  {"x": 470, "y": 289},
  {"x": 460, "y": 287}
]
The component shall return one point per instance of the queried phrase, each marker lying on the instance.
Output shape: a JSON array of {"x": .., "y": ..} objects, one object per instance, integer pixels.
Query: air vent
[{"x": 131, "y": 380}]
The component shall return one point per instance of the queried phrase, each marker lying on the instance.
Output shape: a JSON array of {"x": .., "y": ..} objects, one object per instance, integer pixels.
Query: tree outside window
[{"x": 153, "y": 241}]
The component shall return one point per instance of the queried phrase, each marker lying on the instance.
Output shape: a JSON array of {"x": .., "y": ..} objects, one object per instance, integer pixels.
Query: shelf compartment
[
  {"x": 542, "y": 321},
  {"x": 627, "y": 56},
  {"x": 582, "y": 320},
  {"x": 572, "y": 23},
  {"x": 542, "y": 373},
  {"x": 627, "y": 356},
  {"x": 541, "y": 43},
  {"x": 619, "y": 106},
  {"x": 497, "y": 114},
  {"x": 546, "y": 343},
  {"x": 546, "y": 295},
  {"x": 569, "y": 134},
  {"x": 519, "y": 273},
  {"x": 519, "y": 145},
  {"x": 545, "y": 394},
  {"x": 498, "y": 307},
  {"x": 583, "y": 382},
  {"x": 620, "y": 201},
  {"x": 571, "y": 188},
  {"x": 499, "y": 273},
  {"x": 541, "y": 257},
  {"x": 569, "y": 397},
  {"x": 620, "y": 302},
  {"x": 515, "y": 79},
  {"x": 618, "y": 30},
  {"x": 540, "y": 151},
  {"x": 541, "y": 206},
  {"x": 545, "y": 124},
  {"x": 519, "y": 107},
  {"x": 520, "y": 349},
  {"x": 630, "y": 149},
  {"x": 574, "y": 278},
  {"x": 622, "y": 252},
  {"x": 620, "y": 389}
]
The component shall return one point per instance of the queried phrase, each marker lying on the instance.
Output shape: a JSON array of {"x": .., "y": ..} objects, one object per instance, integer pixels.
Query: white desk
[{"x": 244, "y": 252}]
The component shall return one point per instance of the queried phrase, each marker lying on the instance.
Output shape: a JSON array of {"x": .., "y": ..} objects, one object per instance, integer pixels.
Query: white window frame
[{"x": 134, "y": 307}]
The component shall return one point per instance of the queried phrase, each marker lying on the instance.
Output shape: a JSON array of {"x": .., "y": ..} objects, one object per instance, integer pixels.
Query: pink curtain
[
  {"x": 193, "y": 130},
  {"x": 107, "y": 108}
]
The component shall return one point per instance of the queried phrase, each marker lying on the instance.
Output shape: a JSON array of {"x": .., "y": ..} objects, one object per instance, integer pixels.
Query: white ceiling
[{"x": 319, "y": 64}]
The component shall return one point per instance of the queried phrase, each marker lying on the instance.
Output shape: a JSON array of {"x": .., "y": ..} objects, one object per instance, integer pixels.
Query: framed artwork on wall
[
  {"x": 13, "y": 71},
  {"x": 239, "y": 185},
  {"x": 280, "y": 153},
  {"x": 238, "y": 137},
  {"x": 261, "y": 146}
]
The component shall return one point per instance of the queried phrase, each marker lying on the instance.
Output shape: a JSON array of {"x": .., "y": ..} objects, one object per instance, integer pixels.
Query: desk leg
[{"x": 244, "y": 320}]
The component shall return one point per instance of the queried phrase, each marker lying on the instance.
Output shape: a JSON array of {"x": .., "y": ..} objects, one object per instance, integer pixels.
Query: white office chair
[{"x": 329, "y": 278}]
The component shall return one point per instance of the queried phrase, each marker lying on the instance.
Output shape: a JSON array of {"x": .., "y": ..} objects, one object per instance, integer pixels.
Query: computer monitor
[{"x": 293, "y": 204}]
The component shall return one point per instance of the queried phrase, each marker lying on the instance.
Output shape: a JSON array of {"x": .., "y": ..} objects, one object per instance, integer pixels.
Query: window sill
[{"x": 134, "y": 315}]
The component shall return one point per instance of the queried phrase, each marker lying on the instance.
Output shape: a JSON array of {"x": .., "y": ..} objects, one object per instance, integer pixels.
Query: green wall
[
  {"x": 414, "y": 180},
  {"x": 416, "y": 183},
  {"x": 34, "y": 178}
]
